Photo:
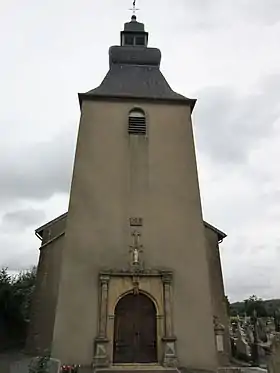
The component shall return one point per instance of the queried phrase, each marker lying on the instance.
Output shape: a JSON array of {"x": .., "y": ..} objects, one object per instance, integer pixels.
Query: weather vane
[{"x": 134, "y": 9}]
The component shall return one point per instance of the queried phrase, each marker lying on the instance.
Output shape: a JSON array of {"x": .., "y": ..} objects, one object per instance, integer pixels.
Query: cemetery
[{"x": 254, "y": 340}]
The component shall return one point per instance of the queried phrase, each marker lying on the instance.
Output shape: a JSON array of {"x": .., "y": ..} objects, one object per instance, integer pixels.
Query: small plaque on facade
[
  {"x": 136, "y": 222},
  {"x": 220, "y": 343}
]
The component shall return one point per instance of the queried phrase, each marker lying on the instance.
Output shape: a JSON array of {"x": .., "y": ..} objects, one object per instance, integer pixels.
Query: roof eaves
[
  {"x": 176, "y": 101},
  {"x": 40, "y": 230},
  {"x": 221, "y": 235}
]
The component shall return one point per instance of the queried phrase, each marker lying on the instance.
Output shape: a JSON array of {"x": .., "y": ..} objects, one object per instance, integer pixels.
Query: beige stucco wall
[
  {"x": 117, "y": 177},
  {"x": 45, "y": 298},
  {"x": 217, "y": 291}
]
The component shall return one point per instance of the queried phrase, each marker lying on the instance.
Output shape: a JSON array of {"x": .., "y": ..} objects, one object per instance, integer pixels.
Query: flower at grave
[{"x": 69, "y": 368}]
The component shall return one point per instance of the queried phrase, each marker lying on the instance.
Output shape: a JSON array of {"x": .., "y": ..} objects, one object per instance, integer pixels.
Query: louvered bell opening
[{"x": 137, "y": 125}]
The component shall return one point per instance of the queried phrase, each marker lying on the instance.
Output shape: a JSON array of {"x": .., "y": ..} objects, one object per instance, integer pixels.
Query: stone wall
[
  {"x": 217, "y": 291},
  {"x": 45, "y": 298},
  {"x": 117, "y": 177}
]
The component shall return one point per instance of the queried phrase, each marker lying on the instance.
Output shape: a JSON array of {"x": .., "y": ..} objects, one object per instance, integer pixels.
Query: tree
[
  {"x": 23, "y": 288},
  {"x": 5, "y": 292},
  {"x": 255, "y": 303},
  {"x": 15, "y": 300},
  {"x": 227, "y": 305}
]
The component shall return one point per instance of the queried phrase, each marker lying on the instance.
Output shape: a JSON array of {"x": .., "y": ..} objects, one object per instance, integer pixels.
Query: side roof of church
[{"x": 40, "y": 231}]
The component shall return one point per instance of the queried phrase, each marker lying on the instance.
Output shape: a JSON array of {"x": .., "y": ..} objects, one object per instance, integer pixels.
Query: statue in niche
[{"x": 136, "y": 248}]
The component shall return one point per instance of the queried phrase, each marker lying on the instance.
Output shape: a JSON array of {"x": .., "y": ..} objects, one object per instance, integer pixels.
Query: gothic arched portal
[{"x": 135, "y": 333}]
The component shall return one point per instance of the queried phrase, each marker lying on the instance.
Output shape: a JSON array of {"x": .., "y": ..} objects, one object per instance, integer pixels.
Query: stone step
[
  {"x": 149, "y": 368},
  {"x": 137, "y": 369}
]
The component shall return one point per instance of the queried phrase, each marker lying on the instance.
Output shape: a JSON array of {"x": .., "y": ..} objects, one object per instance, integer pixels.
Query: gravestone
[
  {"x": 243, "y": 349},
  {"x": 262, "y": 330},
  {"x": 20, "y": 366},
  {"x": 249, "y": 334},
  {"x": 29, "y": 365},
  {"x": 273, "y": 363}
]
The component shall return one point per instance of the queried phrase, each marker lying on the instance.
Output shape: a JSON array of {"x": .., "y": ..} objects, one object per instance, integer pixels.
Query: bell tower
[
  {"x": 134, "y": 282},
  {"x": 134, "y": 34}
]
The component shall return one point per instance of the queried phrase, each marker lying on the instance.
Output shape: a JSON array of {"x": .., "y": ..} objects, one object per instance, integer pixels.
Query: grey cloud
[
  {"x": 248, "y": 285},
  {"x": 266, "y": 11},
  {"x": 19, "y": 250},
  {"x": 38, "y": 171},
  {"x": 225, "y": 13},
  {"x": 257, "y": 273},
  {"x": 229, "y": 126},
  {"x": 18, "y": 242},
  {"x": 20, "y": 260},
  {"x": 20, "y": 263},
  {"x": 22, "y": 219}
]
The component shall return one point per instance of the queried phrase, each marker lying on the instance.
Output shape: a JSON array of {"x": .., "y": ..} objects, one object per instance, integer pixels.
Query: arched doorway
[{"x": 135, "y": 333}]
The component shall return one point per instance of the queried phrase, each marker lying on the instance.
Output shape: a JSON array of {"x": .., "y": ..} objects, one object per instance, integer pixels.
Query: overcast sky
[{"x": 225, "y": 53}]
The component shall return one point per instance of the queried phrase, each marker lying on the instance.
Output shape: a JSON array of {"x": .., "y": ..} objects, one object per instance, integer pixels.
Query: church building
[{"x": 131, "y": 274}]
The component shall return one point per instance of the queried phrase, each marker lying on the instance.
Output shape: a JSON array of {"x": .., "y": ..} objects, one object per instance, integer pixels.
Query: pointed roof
[{"x": 134, "y": 71}]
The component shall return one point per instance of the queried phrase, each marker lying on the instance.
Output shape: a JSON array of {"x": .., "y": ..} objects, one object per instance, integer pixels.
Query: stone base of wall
[
  {"x": 242, "y": 370},
  {"x": 159, "y": 369}
]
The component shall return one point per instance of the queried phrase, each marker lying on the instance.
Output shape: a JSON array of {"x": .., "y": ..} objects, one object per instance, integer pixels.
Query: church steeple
[
  {"x": 134, "y": 71},
  {"x": 134, "y": 34}
]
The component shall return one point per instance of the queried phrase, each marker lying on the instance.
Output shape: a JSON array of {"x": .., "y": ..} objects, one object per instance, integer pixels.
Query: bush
[{"x": 15, "y": 301}]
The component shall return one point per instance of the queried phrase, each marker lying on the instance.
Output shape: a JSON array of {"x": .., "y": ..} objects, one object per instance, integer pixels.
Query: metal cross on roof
[{"x": 134, "y": 9}]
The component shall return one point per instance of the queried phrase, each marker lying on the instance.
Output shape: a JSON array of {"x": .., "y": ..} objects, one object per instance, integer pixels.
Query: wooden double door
[{"x": 135, "y": 334}]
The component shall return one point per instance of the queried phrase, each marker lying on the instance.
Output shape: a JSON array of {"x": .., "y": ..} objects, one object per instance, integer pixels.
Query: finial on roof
[
  {"x": 134, "y": 34},
  {"x": 134, "y": 10}
]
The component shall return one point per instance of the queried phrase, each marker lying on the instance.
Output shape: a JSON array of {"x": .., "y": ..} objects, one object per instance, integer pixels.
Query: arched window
[{"x": 137, "y": 122}]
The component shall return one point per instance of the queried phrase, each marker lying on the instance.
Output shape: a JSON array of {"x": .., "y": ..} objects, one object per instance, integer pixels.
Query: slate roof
[
  {"x": 134, "y": 25},
  {"x": 135, "y": 73}
]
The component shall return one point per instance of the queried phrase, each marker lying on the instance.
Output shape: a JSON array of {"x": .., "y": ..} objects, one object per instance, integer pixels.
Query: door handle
[{"x": 120, "y": 344}]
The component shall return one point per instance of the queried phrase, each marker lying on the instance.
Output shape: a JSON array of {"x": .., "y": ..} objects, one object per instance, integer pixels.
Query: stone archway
[{"x": 135, "y": 330}]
